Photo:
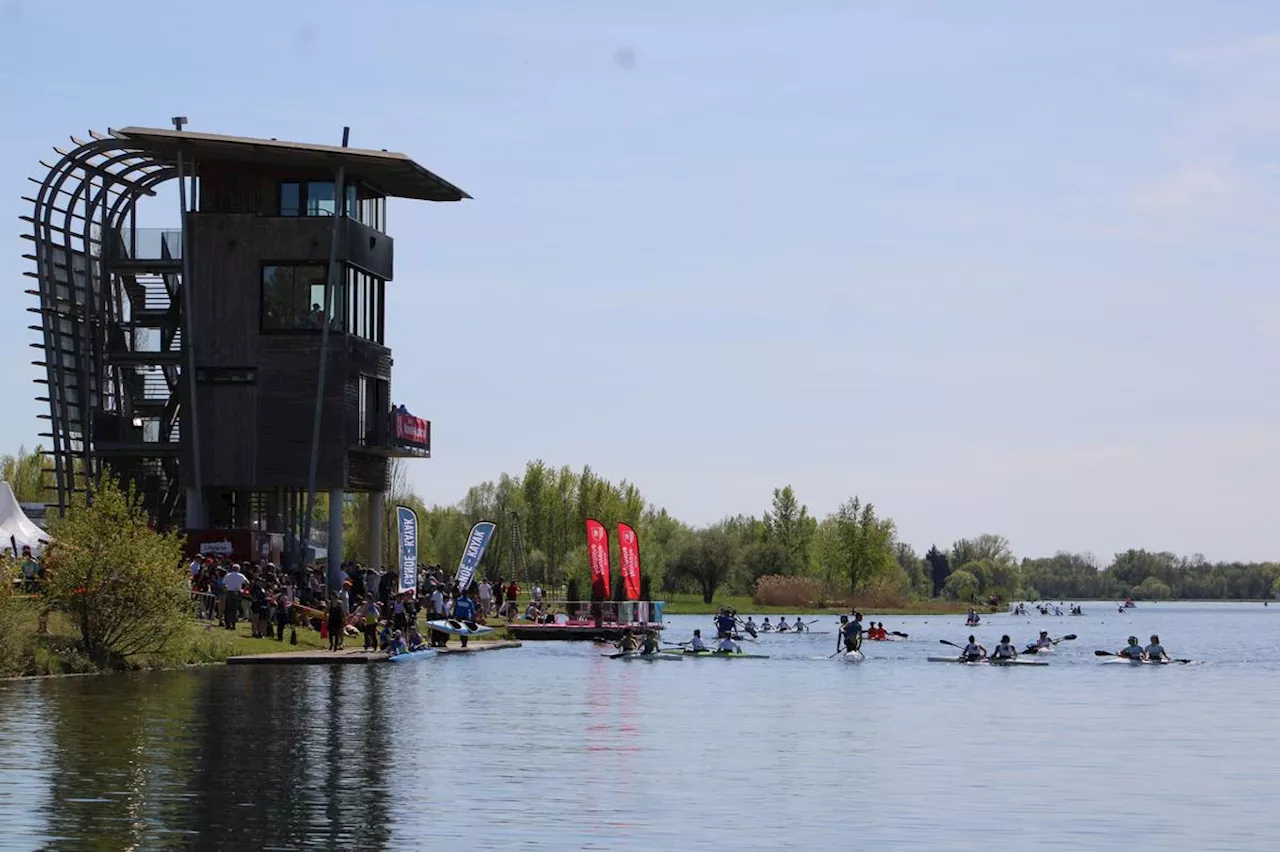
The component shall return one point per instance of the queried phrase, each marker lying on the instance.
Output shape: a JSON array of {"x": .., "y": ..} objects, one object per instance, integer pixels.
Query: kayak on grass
[{"x": 454, "y": 627}]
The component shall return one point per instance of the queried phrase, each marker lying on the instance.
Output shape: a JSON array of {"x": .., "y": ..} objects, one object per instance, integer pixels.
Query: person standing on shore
[
  {"x": 486, "y": 597},
  {"x": 232, "y": 585},
  {"x": 464, "y": 610},
  {"x": 335, "y": 618}
]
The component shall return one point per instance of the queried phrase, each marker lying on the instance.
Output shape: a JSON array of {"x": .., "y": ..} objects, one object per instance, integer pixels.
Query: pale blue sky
[{"x": 998, "y": 267}]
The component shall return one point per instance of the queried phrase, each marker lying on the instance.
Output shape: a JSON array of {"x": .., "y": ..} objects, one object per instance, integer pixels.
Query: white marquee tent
[{"x": 15, "y": 525}]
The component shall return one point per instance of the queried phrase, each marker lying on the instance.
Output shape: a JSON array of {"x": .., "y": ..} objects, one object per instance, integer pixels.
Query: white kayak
[
  {"x": 852, "y": 656},
  {"x": 1048, "y": 649},
  {"x": 1125, "y": 661},
  {"x": 454, "y": 627},
  {"x": 1018, "y": 661}
]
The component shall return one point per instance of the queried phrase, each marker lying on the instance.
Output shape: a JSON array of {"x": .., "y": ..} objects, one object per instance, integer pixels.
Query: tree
[
  {"x": 706, "y": 560},
  {"x": 122, "y": 584},
  {"x": 860, "y": 543},
  {"x": 25, "y": 474},
  {"x": 939, "y": 568},
  {"x": 789, "y": 529},
  {"x": 961, "y": 586}
]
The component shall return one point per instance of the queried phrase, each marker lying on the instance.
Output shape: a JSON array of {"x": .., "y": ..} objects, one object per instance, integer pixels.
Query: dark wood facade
[{"x": 256, "y": 387}]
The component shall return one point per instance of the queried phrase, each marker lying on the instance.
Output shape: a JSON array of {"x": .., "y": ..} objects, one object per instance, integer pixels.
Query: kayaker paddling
[
  {"x": 650, "y": 643},
  {"x": 973, "y": 651},
  {"x": 1155, "y": 651},
  {"x": 765, "y": 626},
  {"x": 727, "y": 646},
  {"x": 750, "y": 626},
  {"x": 696, "y": 643},
  {"x": 1132, "y": 651},
  {"x": 627, "y": 644},
  {"x": 1005, "y": 650}
]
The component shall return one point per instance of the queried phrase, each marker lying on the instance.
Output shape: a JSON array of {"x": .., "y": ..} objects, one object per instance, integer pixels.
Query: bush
[
  {"x": 789, "y": 591},
  {"x": 121, "y": 584}
]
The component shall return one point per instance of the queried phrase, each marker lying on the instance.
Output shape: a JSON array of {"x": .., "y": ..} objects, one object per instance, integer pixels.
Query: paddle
[
  {"x": 1035, "y": 649},
  {"x": 953, "y": 645},
  {"x": 898, "y": 633}
]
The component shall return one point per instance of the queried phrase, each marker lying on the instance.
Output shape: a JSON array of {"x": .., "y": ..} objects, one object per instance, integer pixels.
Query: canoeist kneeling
[
  {"x": 850, "y": 633},
  {"x": 724, "y": 624},
  {"x": 1005, "y": 650},
  {"x": 973, "y": 651}
]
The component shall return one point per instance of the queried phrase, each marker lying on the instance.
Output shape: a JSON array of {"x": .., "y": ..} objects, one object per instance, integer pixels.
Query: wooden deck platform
[{"x": 352, "y": 656}]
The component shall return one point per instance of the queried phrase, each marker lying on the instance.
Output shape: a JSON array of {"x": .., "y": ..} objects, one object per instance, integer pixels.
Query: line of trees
[{"x": 854, "y": 551}]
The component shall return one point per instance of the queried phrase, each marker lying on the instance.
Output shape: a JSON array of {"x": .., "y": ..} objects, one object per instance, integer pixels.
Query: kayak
[
  {"x": 989, "y": 662},
  {"x": 454, "y": 627},
  {"x": 704, "y": 654},
  {"x": 1125, "y": 661},
  {"x": 1047, "y": 649},
  {"x": 889, "y": 638},
  {"x": 410, "y": 656},
  {"x": 853, "y": 657},
  {"x": 636, "y": 655},
  {"x": 802, "y": 633}
]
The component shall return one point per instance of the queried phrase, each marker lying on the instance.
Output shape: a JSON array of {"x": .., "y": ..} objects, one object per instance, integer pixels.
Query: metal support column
[
  {"x": 335, "y": 540},
  {"x": 375, "y": 530}
]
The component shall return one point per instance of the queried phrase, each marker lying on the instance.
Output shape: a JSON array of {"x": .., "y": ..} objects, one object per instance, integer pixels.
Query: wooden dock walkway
[{"x": 352, "y": 656}]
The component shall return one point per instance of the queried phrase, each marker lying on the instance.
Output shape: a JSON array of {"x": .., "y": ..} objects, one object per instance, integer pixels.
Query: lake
[{"x": 552, "y": 746}]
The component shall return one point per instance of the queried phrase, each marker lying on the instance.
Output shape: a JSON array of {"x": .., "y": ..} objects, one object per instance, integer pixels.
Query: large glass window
[
  {"x": 364, "y": 305},
  {"x": 316, "y": 198},
  {"x": 293, "y": 298}
]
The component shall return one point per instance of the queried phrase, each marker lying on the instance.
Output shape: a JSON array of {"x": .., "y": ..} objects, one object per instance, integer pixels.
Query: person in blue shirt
[
  {"x": 724, "y": 624},
  {"x": 464, "y": 610},
  {"x": 851, "y": 633}
]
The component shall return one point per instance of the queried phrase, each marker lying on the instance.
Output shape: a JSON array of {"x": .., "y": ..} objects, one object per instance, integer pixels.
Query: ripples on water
[{"x": 554, "y": 747}]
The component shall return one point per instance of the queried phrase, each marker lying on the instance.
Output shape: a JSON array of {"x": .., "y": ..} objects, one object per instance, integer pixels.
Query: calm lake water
[{"x": 554, "y": 747}]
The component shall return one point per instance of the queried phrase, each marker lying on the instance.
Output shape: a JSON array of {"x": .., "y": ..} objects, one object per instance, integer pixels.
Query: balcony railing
[{"x": 147, "y": 244}]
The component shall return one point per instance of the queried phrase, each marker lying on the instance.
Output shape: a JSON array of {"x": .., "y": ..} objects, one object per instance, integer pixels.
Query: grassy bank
[
  {"x": 690, "y": 604},
  {"x": 26, "y": 652}
]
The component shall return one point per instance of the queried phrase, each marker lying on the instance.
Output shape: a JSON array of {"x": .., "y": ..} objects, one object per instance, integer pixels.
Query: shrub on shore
[{"x": 120, "y": 583}]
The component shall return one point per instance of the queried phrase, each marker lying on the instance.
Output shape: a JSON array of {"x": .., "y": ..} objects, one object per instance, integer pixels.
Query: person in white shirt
[
  {"x": 1155, "y": 651},
  {"x": 1132, "y": 651},
  {"x": 973, "y": 651},
  {"x": 696, "y": 643},
  {"x": 232, "y": 584},
  {"x": 1005, "y": 650},
  {"x": 727, "y": 646},
  {"x": 486, "y": 597},
  {"x": 1044, "y": 641}
]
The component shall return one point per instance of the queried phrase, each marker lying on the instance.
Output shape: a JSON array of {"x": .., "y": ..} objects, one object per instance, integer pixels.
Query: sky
[{"x": 999, "y": 267}]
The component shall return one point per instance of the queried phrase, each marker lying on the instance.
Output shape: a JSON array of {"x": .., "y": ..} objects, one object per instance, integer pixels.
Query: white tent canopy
[{"x": 15, "y": 523}]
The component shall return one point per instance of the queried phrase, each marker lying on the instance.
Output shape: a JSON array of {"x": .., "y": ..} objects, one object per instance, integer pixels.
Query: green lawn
[{"x": 691, "y": 604}]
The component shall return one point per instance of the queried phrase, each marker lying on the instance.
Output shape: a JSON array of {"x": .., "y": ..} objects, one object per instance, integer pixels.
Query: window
[
  {"x": 293, "y": 298},
  {"x": 290, "y": 198},
  {"x": 364, "y": 305},
  {"x": 316, "y": 198}
]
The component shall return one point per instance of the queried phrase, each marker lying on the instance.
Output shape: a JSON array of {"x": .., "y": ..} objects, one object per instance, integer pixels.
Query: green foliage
[
  {"x": 25, "y": 474},
  {"x": 122, "y": 585},
  {"x": 856, "y": 545},
  {"x": 961, "y": 585},
  {"x": 788, "y": 533},
  {"x": 706, "y": 560}
]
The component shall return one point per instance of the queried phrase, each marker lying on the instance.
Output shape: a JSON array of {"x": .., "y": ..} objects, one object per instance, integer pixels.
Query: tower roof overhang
[{"x": 393, "y": 174}]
